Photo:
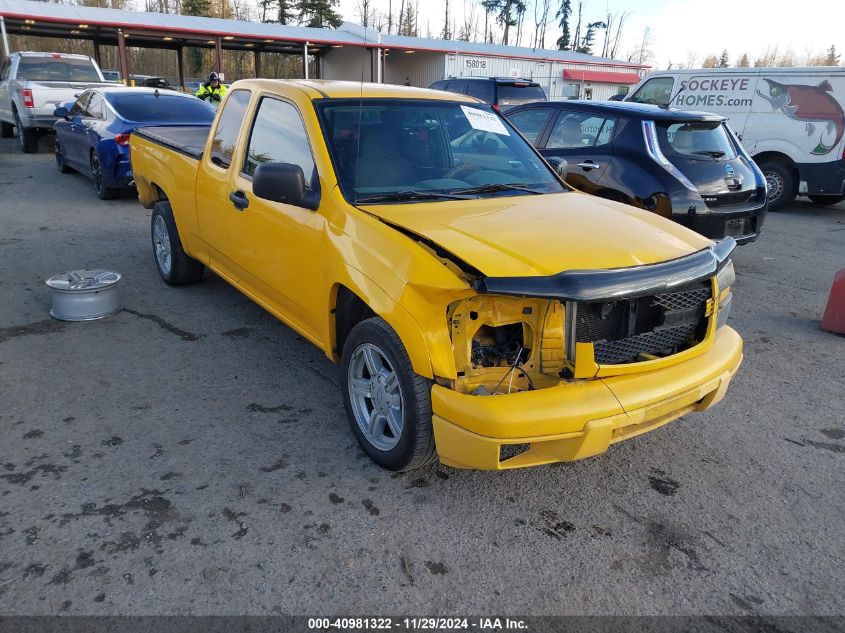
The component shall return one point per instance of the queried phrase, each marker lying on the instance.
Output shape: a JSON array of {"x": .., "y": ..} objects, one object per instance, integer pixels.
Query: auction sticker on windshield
[{"x": 485, "y": 121}]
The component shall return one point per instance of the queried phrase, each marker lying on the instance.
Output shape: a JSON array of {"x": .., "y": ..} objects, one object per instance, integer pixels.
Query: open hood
[{"x": 533, "y": 235}]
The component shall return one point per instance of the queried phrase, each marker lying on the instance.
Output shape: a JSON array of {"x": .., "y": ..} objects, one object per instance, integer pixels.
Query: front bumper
[{"x": 578, "y": 419}]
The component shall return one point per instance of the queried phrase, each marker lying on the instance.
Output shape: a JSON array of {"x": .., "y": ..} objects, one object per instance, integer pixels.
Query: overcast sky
[{"x": 681, "y": 27}]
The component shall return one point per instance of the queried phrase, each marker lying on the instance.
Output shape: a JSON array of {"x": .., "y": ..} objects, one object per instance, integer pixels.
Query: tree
[
  {"x": 576, "y": 37},
  {"x": 711, "y": 61},
  {"x": 832, "y": 58},
  {"x": 723, "y": 59},
  {"x": 319, "y": 13},
  {"x": 365, "y": 12},
  {"x": 541, "y": 19},
  {"x": 587, "y": 43},
  {"x": 620, "y": 22},
  {"x": 564, "y": 12},
  {"x": 643, "y": 53},
  {"x": 743, "y": 61}
]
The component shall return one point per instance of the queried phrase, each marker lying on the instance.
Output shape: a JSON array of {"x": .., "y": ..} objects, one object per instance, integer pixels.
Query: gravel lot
[{"x": 191, "y": 456}]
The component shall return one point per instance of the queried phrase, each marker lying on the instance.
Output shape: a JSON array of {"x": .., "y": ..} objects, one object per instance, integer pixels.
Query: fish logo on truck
[{"x": 810, "y": 104}]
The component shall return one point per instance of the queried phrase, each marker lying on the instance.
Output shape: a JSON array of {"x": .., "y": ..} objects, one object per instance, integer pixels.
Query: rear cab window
[
  {"x": 701, "y": 140},
  {"x": 518, "y": 93},
  {"x": 57, "y": 69},
  {"x": 480, "y": 90},
  {"x": 656, "y": 91},
  {"x": 228, "y": 127}
]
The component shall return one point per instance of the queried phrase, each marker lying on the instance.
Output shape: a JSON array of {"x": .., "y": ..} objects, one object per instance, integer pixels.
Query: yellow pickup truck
[{"x": 481, "y": 311}]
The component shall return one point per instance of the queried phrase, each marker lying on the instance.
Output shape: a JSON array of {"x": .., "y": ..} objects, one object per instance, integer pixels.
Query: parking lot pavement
[{"x": 191, "y": 455}]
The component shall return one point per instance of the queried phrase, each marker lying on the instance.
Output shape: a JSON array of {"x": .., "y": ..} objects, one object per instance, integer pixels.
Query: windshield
[
  {"x": 57, "y": 69},
  {"x": 513, "y": 95},
  {"x": 161, "y": 108},
  {"x": 412, "y": 150},
  {"x": 697, "y": 140}
]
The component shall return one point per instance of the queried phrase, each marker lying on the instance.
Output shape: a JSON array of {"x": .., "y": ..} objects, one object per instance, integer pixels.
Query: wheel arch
[{"x": 356, "y": 299}]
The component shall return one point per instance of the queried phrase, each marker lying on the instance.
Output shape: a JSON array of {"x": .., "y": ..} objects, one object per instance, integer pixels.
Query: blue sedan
[{"x": 92, "y": 133}]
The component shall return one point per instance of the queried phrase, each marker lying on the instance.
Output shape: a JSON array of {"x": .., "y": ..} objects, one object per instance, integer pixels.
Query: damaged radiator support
[{"x": 628, "y": 330}]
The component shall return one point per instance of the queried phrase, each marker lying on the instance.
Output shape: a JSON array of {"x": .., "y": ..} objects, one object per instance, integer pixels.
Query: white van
[{"x": 791, "y": 121}]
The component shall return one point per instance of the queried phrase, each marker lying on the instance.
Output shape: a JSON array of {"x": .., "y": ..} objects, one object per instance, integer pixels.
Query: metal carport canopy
[{"x": 161, "y": 30}]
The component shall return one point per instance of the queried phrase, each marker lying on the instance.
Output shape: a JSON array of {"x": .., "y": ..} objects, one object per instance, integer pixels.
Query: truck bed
[{"x": 185, "y": 139}]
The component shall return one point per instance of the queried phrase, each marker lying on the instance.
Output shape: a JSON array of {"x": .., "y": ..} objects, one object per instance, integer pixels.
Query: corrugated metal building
[
  {"x": 419, "y": 61},
  {"x": 350, "y": 52}
]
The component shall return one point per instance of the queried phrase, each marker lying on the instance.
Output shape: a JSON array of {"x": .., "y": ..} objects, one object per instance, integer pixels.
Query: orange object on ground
[{"x": 834, "y": 314}]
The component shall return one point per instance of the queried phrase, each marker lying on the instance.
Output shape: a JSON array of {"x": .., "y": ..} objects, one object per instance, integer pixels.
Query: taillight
[
  {"x": 121, "y": 139},
  {"x": 28, "y": 101},
  {"x": 652, "y": 146}
]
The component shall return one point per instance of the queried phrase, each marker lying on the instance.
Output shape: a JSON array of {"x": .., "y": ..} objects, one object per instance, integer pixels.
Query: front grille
[{"x": 624, "y": 330}]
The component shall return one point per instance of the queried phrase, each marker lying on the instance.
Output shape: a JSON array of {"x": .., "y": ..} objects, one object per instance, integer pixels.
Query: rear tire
[
  {"x": 103, "y": 192},
  {"x": 174, "y": 265},
  {"x": 827, "y": 199},
  {"x": 781, "y": 185},
  {"x": 6, "y": 130},
  {"x": 28, "y": 138},
  {"x": 388, "y": 405}
]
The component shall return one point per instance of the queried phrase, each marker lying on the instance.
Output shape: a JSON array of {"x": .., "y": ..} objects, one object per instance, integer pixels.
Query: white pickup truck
[{"x": 33, "y": 85}]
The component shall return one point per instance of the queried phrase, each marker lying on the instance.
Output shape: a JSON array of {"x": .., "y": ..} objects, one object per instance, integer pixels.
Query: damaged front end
[{"x": 529, "y": 333}]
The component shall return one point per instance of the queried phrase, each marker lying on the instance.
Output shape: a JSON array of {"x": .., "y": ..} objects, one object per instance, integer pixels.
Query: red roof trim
[{"x": 601, "y": 76}]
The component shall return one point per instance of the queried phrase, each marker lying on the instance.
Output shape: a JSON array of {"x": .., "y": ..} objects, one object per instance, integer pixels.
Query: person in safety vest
[{"x": 212, "y": 90}]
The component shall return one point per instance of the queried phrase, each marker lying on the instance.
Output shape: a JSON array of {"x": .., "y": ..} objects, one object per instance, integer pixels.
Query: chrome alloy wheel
[
  {"x": 376, "y": 397},
  {"x": 161, "y": 244}
]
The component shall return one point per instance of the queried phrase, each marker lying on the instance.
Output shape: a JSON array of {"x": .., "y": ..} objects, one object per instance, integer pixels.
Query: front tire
[
  {"x": 103, "y": 192},
  {"x": 60, "y": 158},
  {"x": 388, "y": 405},
  {"x": 781, "y": 185},
  {"x": 827, "y": 199},
  {"x": 6, "y": 129},
  {"x": 28, "y": 138},
  {"x": 174, "y": 265}
]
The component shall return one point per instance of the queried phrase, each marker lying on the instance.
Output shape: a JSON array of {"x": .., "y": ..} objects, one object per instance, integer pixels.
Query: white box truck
[{"x": 790, "y": 120}]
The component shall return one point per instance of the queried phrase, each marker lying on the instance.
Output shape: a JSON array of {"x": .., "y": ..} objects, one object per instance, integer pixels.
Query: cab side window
[
  {"x": 531, "y": 123},
  {"x": 655, "y": 91},
  {"x": 228, "y": 127},
  {"x": 579, "y": 129},
  {"x": 96, "y": 109},
  {"x": 278, "y": 136},
  {"x": 78, "y": 108}
]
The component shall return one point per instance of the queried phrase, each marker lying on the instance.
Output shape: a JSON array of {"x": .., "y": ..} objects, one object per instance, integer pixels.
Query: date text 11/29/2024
[{"x": 417, "y": 624}]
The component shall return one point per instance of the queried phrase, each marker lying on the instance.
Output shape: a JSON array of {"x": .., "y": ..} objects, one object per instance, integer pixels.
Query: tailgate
[{"x": 48, "y": 95}]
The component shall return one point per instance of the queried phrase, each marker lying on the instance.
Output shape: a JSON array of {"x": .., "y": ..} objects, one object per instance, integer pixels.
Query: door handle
[
  {"x": 588, "y": 165},
  {"x": 239, "y": 200}
]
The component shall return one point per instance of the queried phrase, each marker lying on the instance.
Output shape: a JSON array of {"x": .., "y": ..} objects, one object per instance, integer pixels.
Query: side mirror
[
  {"x": 61, "y": 112},
  {"x": 285, "y": 183},
  {"x": 559, "y": 165}
]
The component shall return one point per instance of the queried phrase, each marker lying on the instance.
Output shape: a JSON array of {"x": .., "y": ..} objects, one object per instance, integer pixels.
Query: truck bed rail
[{"x": 185, "y": 139}]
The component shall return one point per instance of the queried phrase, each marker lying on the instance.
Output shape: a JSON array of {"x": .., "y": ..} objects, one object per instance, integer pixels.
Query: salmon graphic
[{"x": 810, "y": 104}]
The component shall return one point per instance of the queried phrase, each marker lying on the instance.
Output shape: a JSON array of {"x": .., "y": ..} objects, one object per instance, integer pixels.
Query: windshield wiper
[
  {"x": 715, "y": 153},
  {"x": 497, "y": 186},
  {"x": 400, "y": 196}
]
